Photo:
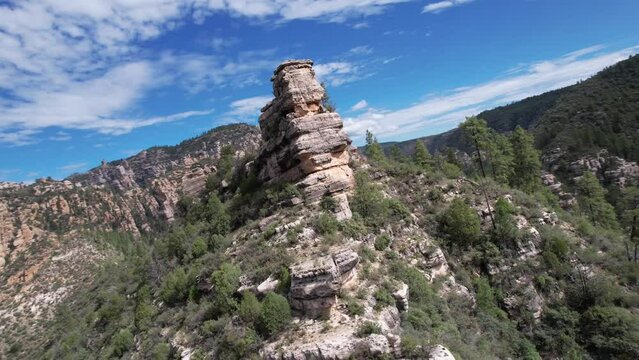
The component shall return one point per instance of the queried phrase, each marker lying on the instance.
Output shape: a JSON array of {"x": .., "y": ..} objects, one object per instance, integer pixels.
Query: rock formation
[
  {"x": 303, "y": 141},
  {"x": 316, "y": 283}
]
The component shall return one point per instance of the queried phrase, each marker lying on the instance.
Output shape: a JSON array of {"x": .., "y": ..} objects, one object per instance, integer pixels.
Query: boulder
[
  {"x": 439, "y": 352},
  {"x": 315, "y": 283}
]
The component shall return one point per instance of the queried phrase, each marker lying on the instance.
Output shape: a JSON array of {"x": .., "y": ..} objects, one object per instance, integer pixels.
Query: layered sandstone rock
[
  {"x": 316, "y": 283},
  {"x": 304, "y": 142}
]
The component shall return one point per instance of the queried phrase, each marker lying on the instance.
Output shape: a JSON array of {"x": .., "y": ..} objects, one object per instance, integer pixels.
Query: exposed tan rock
[
  {"x": 439, "y": 352},
  {"x": 303, "y": 142},
  {"x": 316, "y": 283}
]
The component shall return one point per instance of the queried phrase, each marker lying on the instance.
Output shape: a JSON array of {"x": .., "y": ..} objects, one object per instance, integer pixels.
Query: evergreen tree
[
  {"x": 527, "y": 166},
  {"x": 396, "y": 154},
  {"x": 592, "y": 200},
  {"x": 500, "y": 154},
  {"x": 373, "y": 149},
  {"x": 326, "y": 101},
  {"x": 477, "y": 132},
  {"x": 460, "y": 223},
  {"x": 422, "y": 158}
]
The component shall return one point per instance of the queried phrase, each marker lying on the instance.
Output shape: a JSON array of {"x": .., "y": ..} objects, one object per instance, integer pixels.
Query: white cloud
[
  {"x": 361, "y": 50},
  {"x": 360, "y": 105},
  {"x": 61, "y": 136},
  {"x": 78, "y": 65},
  {"x": 451, "y": 108},
  {"x": 440, "y": 6},
  {"x": 249, "y": 107},
  {"x": 338, "y": 73}
]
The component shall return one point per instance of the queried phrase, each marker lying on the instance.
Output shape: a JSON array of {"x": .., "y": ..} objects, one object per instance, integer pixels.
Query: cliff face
[
  {"x": 133, "y": 195},
  {"x": 304, "y": 142}
]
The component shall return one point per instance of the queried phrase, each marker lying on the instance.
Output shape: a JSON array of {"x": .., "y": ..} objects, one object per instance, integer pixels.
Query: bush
[
  {"x": 460, "y": 223},
  {"x": 352, "y": 227},
  {"x": 328, "y": 203},
  {"x": 225, "y": 281},
  {"x": 383, "y": 298},
  {"x": 198, "y": 248},
  {"x": 276, "y": 314},
  {"x": 354, "y": 307},
  {"x": 161, "y": 351},
  {"x": 175, "y": 287},
  {"x": 121, "y": 342},
  {"x": 611, "y": 331},
  {"x": 249, "y": 309},
  {"x": 367, "y": 328},
  {"x": 382, "y": 242},
  {"x": 326, "y": 224}
]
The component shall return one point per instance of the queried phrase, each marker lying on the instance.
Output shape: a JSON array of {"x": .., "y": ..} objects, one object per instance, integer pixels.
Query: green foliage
[
  {"x": 161, "y": 351},
  {"x": 354, "y": 307},
  {"x": 175, "y": 287},
  {"x": 422, "y": 157},
  {"x": 505, "y": 231},
  {"x": 328, "y": 203},
  {"x": 383, "y": 297},
  {"x": 225, "y": 281},
  {"x": 367, "y": 328},
  {"x": 198, "y": 248},
  {"x": 216, "y": 216},
  {"x": 592, "y": 201},
  {"x": 121, "y": 342},
  {"x": 326, "y": 224},
  {"x": 382, "y": 242},
  {"x": 527, "y": 166},
  {"x": 373, "y": 149},
  {"x": 486, "y": 299},
  {"x": 611, "y": 331},
  {"x": 276, "y": 314},
  {"x": 460, "y": 223},
  {"x": 249, "y": 309},
  {"x": 397, "y": 155},
  {"x": 238, "y": 343},
  {"x": 371, "y": 205},
  {"x": 326, "y": 101}
]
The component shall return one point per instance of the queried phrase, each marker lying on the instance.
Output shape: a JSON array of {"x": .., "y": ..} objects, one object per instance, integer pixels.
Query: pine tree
[
  {"x": 527, "y": 166},
  {"x": 500, "y": 154},
  {"x": 422, "y": 158},
  {"x": 592, "y": 200},
  {"x": 373, "y": 149},
  {"x": 396, "y": 154},
  {"x": 476, "y": 131}
]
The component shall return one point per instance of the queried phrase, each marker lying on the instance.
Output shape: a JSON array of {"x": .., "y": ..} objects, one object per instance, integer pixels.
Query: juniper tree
[
  {"x": 592, "y": 200},
  {"x": 373, "y": 149}
]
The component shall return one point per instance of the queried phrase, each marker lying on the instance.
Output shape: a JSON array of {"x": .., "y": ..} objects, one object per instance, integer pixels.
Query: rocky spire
[{"x": 304, "y": 142}]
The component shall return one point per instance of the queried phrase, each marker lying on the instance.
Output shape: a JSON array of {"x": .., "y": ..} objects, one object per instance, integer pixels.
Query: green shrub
[
  {"x": 121, "y": 342},
  {"x": 352, "y": 227},
  {"x": 382, "y": 242},
  {"x": 383, "y": 297},
  {"x": 326, "y": 224},
  {"x": 198, "y": 248},
  {"x": 610, "y": 332},
  {"x": 249, "y": 309},
  {"x": 238, "y": 343},
  {"x": 460, "y": 223},
  {"x": 367, "y": 328},
  {"x": 328, "y": 203},
  {"x": 276, "y": 314},
  {"x": 354, "y": 307},
  {"x": 175, "y": 287},
  {"x": 225, "y": 281},
  {"x": 161, "y": 351}
]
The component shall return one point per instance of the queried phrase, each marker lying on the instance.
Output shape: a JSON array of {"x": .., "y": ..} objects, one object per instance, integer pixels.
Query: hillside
[
  {"x": 601, "y": 113},
  {"x": 289, "y": 244}
]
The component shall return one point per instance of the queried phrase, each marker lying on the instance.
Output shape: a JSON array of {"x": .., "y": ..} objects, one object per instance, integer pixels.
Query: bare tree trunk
[
  {"x": 481, "y": 162},
  {"x": 632, "y": 238}
]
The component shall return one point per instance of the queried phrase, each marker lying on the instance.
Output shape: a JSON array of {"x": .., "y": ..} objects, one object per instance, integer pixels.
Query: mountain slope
[{"x": 599, "y": 113}]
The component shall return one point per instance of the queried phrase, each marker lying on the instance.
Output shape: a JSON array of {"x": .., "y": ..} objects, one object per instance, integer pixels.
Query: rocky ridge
[{"x": 134, "y": 195}]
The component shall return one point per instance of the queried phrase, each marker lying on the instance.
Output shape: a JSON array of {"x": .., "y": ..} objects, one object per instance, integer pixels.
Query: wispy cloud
[
  {"x": 247, "y": 109},
  {"x": 61, "y": 136},
  {"x": 449, "y": 109},
  {"x": 440, "y": 6},
  {"x": 78, "y": 64},
  {"x": 339, "y": 73},
  {"x": 360, "y": 105}
]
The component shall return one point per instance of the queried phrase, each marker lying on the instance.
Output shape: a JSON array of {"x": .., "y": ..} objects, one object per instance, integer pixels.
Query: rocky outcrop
[
  {"x": 316, "y": 283},
  {"x": 128, "y": 195},
  {"x": 566, "y": 200},
  {"x": 304, "y": 142},
  {"x": 439, "y": 352}
]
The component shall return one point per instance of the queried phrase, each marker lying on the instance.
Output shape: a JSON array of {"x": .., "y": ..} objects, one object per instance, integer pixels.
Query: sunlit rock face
[{"x": 303, "y": 141}]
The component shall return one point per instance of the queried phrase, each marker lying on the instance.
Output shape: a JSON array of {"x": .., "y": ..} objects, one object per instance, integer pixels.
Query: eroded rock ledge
[{"x": 304, "y": 142}]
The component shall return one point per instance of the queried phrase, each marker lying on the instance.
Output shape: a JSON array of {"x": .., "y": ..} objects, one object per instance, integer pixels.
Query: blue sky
[{"x": 82, "y": 81}]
